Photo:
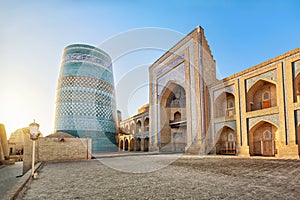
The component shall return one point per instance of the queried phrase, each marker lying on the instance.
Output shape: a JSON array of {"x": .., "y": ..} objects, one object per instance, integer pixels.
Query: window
[
  {"x": 230, "y": 137},
  {"x": 267, "y": 135},
  {"x": 177, "y": 116},
  {"x": 231, "y": 104},
  {"x": 266, "y": 96}
]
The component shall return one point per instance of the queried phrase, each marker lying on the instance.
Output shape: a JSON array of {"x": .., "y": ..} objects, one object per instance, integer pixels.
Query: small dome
[{"x": 144, "y": 108}]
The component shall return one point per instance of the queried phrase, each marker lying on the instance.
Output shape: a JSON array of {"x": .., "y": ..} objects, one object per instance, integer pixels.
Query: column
[
  {"x": 243, "y": 147},
  {"x": 142, "y": 144}
]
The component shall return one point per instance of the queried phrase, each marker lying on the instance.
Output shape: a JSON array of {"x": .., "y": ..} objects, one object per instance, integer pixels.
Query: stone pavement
[
  {"x": 189, "y": 177},
  {"x": 8, "y": 176}
]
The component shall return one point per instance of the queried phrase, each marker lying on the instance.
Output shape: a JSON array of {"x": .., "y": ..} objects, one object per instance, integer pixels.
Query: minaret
[{"x": 85, "y": 100}]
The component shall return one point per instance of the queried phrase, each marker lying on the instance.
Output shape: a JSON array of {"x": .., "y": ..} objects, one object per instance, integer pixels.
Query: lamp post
[{"x": 34, "y": 135}]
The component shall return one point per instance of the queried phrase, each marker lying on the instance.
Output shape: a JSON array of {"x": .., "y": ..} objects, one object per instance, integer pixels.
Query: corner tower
[{"x": 85, "y": 99}]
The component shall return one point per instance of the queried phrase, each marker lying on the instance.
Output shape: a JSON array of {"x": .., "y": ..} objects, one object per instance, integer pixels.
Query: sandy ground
[{"x": 189, "y": 177}]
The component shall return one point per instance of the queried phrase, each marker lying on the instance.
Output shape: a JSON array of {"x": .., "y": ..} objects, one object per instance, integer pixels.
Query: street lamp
[{"x": 34, "y": 135}]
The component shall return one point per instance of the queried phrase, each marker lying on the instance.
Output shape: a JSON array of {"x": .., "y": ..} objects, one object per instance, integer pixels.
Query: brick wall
[{"x": 53, "y": 149}]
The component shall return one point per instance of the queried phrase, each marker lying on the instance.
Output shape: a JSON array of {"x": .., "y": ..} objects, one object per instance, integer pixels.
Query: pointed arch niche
[
  {"x": 262, "y": 139},
  {"x": 261, "y": 95},
  {"x": 173, "y": 118}
]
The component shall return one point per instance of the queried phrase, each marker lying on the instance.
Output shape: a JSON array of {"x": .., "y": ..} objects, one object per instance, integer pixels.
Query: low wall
[{"x": 56, "y": 149}]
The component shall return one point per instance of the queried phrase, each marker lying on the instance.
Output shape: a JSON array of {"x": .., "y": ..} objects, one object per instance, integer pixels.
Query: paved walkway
[
  {"x": 167, "y": 177},
  {"x": 8, "y": 176}
]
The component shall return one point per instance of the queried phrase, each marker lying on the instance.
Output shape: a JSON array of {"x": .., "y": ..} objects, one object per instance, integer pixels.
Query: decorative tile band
[{"x": 169, "y": 66}]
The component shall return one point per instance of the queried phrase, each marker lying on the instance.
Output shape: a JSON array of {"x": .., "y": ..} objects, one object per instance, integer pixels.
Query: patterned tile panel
[{"x": 85, "y": 101}]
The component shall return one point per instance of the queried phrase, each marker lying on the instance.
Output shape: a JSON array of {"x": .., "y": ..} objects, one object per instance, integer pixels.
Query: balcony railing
[
  {"x": 229, "y": 112},
  {"x": 177, "y": 120},
  {"x": 263, "y": 104},
  {"x": 177, "y": 123},
  {"x": 228, "y": 147}
]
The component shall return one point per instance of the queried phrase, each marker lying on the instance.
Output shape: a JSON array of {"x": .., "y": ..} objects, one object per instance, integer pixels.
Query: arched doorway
[
  {"x": 226, "y": 143},
  {"x": 138, "y": 144},
  {"x": 132, "y": 144},
  {"x": 126, "y": 144},
  {"x": 121, "y": 144},
  {"x": 146, "y": 144},
  {"x": 173, "y": 119},
  {"x": 262, "y": 139},
  {"x": 261, "y": 95}
]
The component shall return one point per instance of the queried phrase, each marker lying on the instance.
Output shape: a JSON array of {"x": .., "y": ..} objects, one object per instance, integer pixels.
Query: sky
[{"x": 33, "y": 35}]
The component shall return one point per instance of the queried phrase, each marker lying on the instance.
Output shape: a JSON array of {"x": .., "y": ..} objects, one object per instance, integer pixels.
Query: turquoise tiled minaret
[{"x": 85, "y": 101}]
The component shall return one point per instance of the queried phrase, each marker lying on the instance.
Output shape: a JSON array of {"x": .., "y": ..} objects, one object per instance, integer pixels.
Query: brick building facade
[{"x": 255, "y": 112}]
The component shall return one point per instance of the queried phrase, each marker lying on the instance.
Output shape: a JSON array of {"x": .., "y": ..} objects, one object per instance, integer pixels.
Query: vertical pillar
[
  {"x": 291, "y": 149},
  {"x": 142, "y": 144},
  {"x": 189, "y": 102},
  {"x": 129, "y": 141},
  {"x": 142, "y": 125},
  {"x": 237, "y": 113},
  {"x": 135, "y": 142},
  {"x": 124, "y": 144},
  {"x": 243, "y": 148},
  {"x": 33, "y": 158}
]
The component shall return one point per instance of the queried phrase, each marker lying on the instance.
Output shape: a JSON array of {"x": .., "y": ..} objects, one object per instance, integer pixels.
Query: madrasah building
[{"x": 255, "y": 112}]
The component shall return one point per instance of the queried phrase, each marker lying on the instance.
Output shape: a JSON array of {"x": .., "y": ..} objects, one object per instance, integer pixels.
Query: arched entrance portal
[
  {"x": 262, "y": 139},
  {"x": 224, "y": 105},
  {"x": 261, "y": 95},
  {"x": 227, "y": 141},
  {"x": 126, "y": 145},
  {"x": 132, "y": 144},
  {"x": 121, "y": 145},
  {"x": 173, "y": 119}
]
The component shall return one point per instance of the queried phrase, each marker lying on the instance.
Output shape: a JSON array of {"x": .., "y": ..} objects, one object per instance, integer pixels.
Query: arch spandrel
[
  {"x": 221, "y": 125},
  {"x": 229, "y": 89},
  {"x": 270, "y": 76},
  {"x": 272, "y": 119}
]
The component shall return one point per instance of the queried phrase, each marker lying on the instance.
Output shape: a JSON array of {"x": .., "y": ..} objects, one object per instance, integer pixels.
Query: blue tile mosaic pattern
[{"x": 85, "y": 100}]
